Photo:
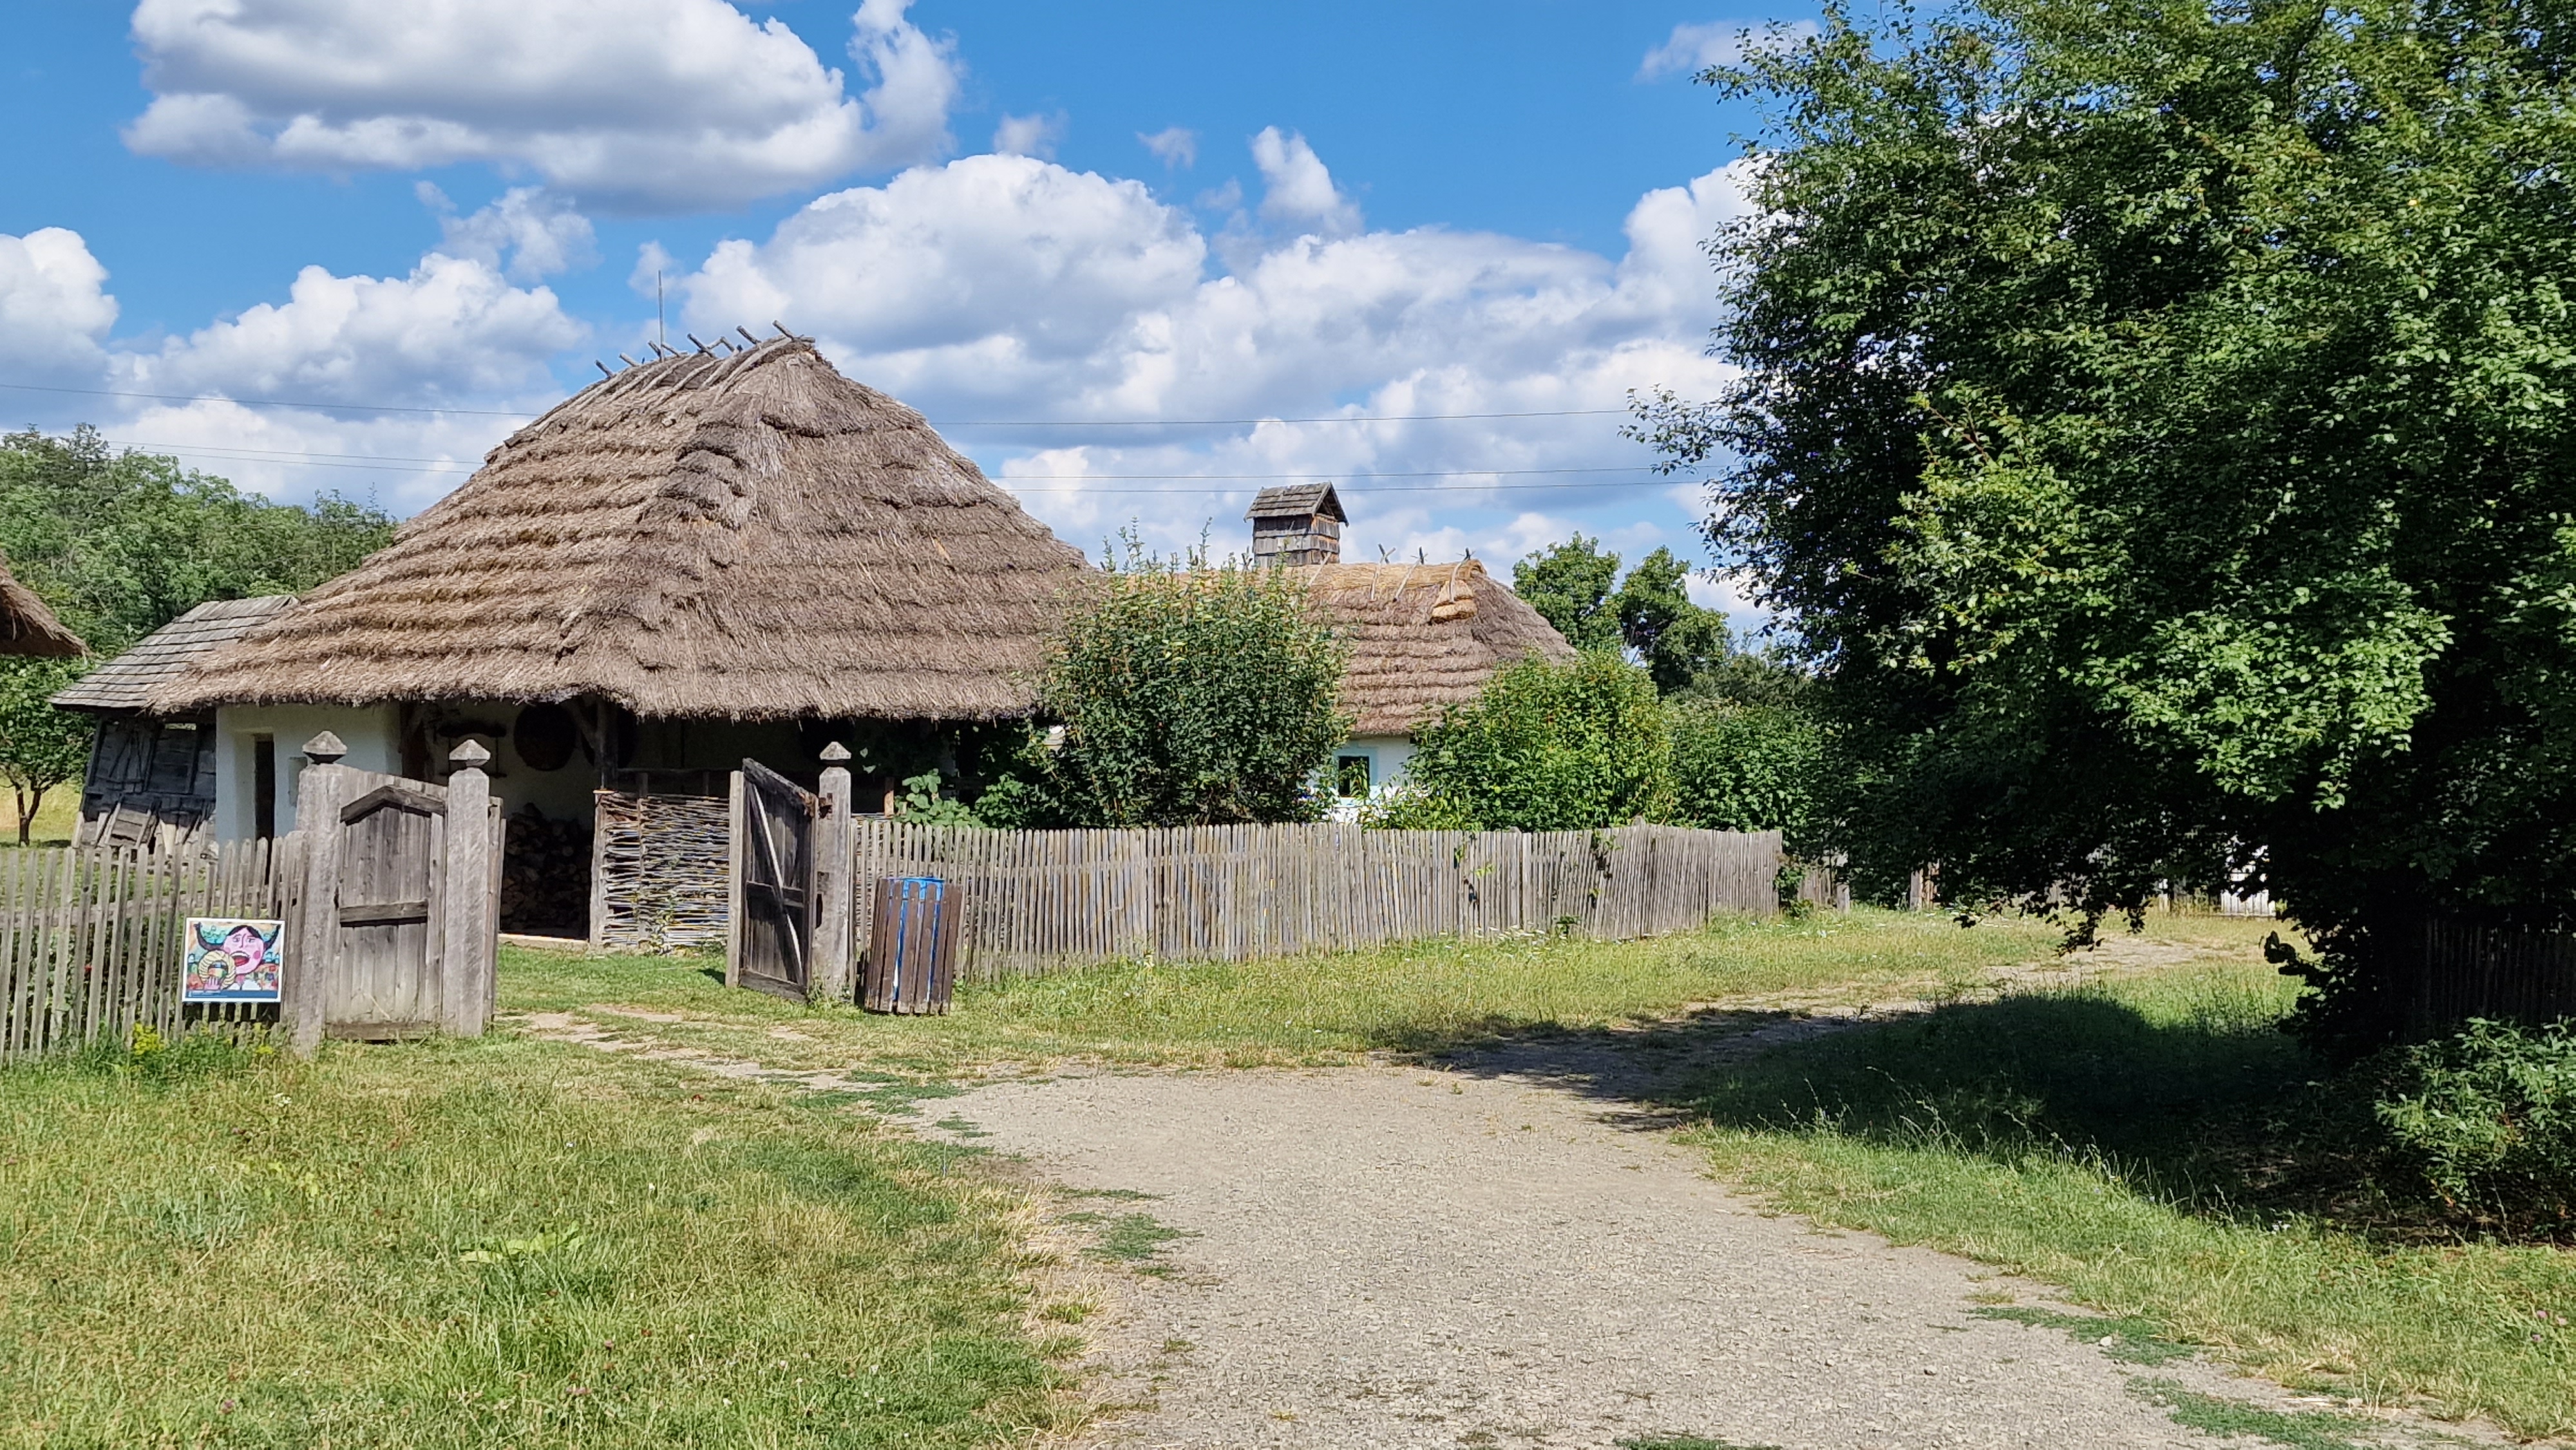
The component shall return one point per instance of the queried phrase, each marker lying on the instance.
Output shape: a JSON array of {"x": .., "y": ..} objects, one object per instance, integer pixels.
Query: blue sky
[{"x": 1071, "y": 235}]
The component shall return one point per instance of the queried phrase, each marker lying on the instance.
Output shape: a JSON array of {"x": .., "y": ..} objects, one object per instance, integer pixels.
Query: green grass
[
  {"x": 2225, "y": 1418},
  {"x": 2154, "y": 1145},
  {"x": 1423, "y": 997},
  {"x": 491, "y": 1243}
]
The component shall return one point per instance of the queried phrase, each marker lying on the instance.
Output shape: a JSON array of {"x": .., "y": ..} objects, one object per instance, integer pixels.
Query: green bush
[
  {"x": 2489, "y": 1117},
  {"x": 1189, "y": 697},
  {"x": 1744, "y": 767},
  {"x": 1544, "y": 748}
]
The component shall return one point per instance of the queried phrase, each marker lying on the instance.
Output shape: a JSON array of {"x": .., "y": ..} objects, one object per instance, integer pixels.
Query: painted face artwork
[{"x": 231, "y": 960}]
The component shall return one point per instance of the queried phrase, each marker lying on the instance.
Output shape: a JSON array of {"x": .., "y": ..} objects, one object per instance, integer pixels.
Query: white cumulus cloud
[
  {"x": 1009, "y": 287},
  {"x": 1173, "y": 146},
  {"x": 539, "y": 233},
  {"x": 1029, "y": 135},
  {"x": 453, "y": 330},
  {"x": 1299, "y": 190},
  {"x": 54, "y": 306},
  {"x": 1694, "y": 46},
  {"x": 647, "y": 104}
]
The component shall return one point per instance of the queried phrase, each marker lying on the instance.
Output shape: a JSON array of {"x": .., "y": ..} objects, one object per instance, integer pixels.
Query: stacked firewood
[{"x": 545, "y": 874}]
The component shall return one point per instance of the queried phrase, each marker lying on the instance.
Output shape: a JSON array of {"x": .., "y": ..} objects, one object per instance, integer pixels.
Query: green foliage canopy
[
  {"x": 122, "y": 543},
  {"x": 2155, "y": 418},
  {"x": 40, "y": 747},
  {"x": 1188, "y": 697},
  {"x": 1575, "y": 586},
  {"x": 1543, "y": 748},
  {"x": 1745, "y": 767}
]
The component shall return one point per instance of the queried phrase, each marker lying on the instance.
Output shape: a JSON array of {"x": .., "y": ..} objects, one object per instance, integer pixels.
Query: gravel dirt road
[{"x": 1386, "y": 1258}]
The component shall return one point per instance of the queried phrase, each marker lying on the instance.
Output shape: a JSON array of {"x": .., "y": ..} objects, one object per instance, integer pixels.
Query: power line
[
  {"x": 264, "y": 402},
  {"x": 449, "y": 465},
  {"x": 950, "y": 423},
  {"x": 1025, "y": 482}
]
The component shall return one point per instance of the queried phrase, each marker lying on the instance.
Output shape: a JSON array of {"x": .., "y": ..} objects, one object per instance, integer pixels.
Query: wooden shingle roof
[
  {"x": 1297, "y": 500},
  {"x": 123, "y": 682}
]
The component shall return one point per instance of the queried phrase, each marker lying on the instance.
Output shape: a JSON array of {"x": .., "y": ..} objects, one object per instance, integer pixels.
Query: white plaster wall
[
  {"x": 1388, "y": 753},
  {"x": 367, "y": 731},
  {"x": 1392, "y": 751}
]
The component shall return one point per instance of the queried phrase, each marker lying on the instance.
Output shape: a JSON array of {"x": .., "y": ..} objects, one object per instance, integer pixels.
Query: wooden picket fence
[
  {"x": 2470, "y": 969},
  {"x": 90, "y": 937},
  {"x": 1038, "y": 900}
]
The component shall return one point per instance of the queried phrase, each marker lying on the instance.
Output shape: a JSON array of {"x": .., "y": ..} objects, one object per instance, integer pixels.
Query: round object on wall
[{"x": 545, "y": 736}]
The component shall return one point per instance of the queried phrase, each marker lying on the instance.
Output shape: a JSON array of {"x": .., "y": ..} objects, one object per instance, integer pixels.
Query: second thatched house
[
  {"x": 1422, "y": 637},
  {"x": 704, "y": 558}
]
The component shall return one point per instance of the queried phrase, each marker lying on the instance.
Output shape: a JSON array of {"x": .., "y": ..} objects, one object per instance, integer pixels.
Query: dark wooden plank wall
[{"x": 149, "y": 780}]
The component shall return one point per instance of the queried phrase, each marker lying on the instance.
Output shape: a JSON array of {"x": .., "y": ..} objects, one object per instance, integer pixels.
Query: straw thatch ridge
[
  {"x": 747, "y": 536},
  {"x": 28, "y": 627},
  {"x": 127, "y": 681},
  {"x": 1423, "y": 636}
]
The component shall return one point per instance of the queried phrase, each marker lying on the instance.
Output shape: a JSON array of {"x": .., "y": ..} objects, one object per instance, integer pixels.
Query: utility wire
[
  {"x": 950, "y": 423},
  {"x": 458, "y": 468}
]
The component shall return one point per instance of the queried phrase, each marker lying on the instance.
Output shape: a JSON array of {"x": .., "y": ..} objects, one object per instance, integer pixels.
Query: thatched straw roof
[
  {"x": 27, "y": 627},
  {"x": 1423, "y": 636},
  {"x": 127, "y": 681},
  {"x": 745, "y": 536}
]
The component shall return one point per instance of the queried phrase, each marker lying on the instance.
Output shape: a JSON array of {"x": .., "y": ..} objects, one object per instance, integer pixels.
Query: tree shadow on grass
[{"x": 2212, "y": 1109}]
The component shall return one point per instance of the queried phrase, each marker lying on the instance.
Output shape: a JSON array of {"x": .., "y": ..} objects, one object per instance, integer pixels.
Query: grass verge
[
  {"x": 2138, "y": 1141},
  {"x": 1422, "y": 997},
  {"x": 458, "y": 1244}
]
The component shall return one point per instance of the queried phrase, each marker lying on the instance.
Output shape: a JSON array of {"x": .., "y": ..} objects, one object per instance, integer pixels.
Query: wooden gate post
[
  {"x": 735, "y": 819},
  {"x": 305, "y": 997},
  {"x": 466, "y": 933},
  {"x": 835, "y": 905}
]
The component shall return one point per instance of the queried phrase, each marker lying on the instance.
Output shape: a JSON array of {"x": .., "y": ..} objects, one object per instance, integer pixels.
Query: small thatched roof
[
  {"x": 28, "y": 627},
  {"x": 127, "y": 681},
  {"x": 747, "y": 536},
  {"x": 1423, "y": 636}
]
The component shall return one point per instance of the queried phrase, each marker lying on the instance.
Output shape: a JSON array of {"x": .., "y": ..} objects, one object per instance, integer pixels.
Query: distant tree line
[{"x": 121, "y": 542}]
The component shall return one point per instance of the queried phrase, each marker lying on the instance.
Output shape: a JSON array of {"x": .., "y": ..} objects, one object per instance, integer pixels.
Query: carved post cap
[
  {"x": 470, "y": 754},
  {"x": 835, "y": 753},
  {"x": 325, "y": 749}
]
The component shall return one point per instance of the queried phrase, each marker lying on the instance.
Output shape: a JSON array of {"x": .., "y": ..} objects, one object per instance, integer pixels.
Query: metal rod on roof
[
  {"x": 603, "y": 368},
  {"x": 746, "y": 334},
  {"x": 693, "y": 337}
]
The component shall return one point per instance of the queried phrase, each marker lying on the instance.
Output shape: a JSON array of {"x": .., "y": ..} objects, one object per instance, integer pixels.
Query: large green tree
[
  {"x": 121, "y": 543},
  {"x": 41, "y": 748},
  {"x": 2155, "y": 418},
  {"x": 1575, "y": 586}
]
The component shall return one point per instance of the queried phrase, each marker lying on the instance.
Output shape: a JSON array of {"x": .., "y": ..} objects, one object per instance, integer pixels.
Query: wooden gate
[
  {"x": 394, "y": 928},
  {"x": 773, "y": 874}
]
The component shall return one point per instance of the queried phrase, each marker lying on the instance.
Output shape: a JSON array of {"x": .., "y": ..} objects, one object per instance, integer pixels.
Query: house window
[{"x": 1352, "y": 776}]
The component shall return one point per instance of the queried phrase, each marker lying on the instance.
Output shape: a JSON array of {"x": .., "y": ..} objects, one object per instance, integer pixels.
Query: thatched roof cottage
[
  {"x": 706, "y": 557},
  {"x": 1422, "y": 637}
]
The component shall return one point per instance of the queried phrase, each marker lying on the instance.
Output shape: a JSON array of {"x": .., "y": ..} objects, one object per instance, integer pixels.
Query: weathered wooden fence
[
  {"x": 1041, "y": 899},
  {"x": 389, "y": 890},
  {"x": 657, "y": 873},
  {"x": 90, "y": 938},
  {"x": 2471, "y": 970}
]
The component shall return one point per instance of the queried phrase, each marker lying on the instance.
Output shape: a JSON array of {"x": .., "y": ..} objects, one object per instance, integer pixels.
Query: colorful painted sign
[{"x": 231, "y": 960}]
